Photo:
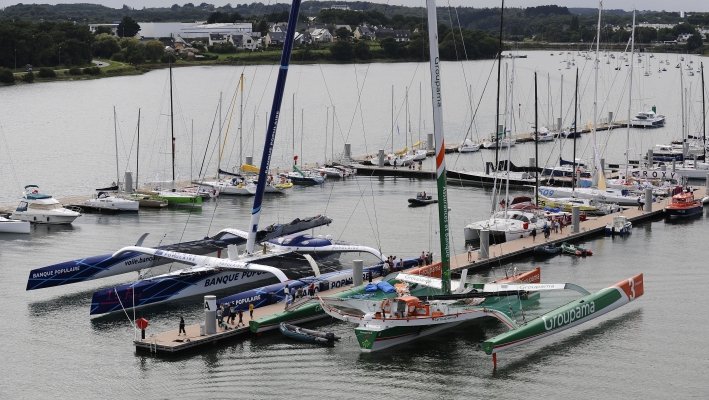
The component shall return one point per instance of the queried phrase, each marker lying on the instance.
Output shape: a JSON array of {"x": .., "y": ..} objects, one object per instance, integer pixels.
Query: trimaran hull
[{"x": 570, "y": 315}]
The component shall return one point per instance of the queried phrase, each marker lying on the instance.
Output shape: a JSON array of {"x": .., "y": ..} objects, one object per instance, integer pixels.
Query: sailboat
[
  {"x": 104, "y": 200},
  {"x": 173, "y": 196}
]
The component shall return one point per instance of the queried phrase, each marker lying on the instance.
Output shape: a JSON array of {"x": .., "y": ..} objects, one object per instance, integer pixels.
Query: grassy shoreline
[{"x": 110, "y": 68}]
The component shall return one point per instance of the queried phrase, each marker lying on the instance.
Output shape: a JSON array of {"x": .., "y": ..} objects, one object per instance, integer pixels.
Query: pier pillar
[
  {"x": 128, "y": 182},
  {"x": 558, "y": 124},
  {"x": 380, "y": 158},
  {"x": 663, "y": 167},
  {"x": 348, "y": 152},
  {"x": 610, "y": 118},
  {"x": 249, "y": 160},
  {"x": 532, "y": 161},
  {"x": 357, "y": 268},
  {"x": 706, "y": 185},
  {"x": 650, "y": 156},
  {"x": 648, "y": 199},
  {"x": 674, "y": 165},
  {"x": 210, "y": 314},
  {"x": 429, "y": 142},
  {"x": 685, "y": 150},
  {"x": 484, "y": 244},
  {"x": 575, "y": 219}
]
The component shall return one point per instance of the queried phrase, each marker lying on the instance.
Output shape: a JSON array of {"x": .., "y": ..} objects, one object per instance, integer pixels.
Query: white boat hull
[{"x": 13, "y": 226}]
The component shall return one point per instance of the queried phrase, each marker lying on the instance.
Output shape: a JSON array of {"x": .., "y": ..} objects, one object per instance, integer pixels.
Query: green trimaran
[{"x": 384, "y": 321}]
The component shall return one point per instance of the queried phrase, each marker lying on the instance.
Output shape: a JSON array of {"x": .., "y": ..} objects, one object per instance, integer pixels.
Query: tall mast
[
  {"x": 536, "y": 143},
  {"x": 172, "y": 127},
  {"x": 332, "y": 142},
  {"x": 437, "y": 100},
  {"x": 293, "y": 130},
  {"x": 630, "y": 98},
  {"x": 137, "y": 153},
  {"x": 704, "y": 116},
  {"x": 272, "y": 125},
  {"x": 241, "y": 119},
  {"x": 219, "y": 137},
  {"x": 497, "y": 105},
  {"x": 576, "y": 107},
  {"x": 392, "y": 119},
  {"x": 561, "y": 105},
  {"x": 595, "y": 92},
  {"x": 115, "y": 139},
  {"x": 327, "y": 131}
]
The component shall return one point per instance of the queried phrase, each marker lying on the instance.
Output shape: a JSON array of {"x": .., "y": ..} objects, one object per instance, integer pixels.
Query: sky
[{"x": 658, "y": 5}]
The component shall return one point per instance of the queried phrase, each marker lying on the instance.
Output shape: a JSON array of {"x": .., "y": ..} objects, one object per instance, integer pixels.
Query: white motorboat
[
  {"x": 468, "y": 146},
  {"x": 503, "y": 143},
  {"x": 107, "y": 202},
  {"x": 39, "y": 208},
  {"x": 545, "y": 135},
  {"x": 648, "y": 119},
  {"x": 13, "y": 226},
  {"x": 234, "y": 186}
]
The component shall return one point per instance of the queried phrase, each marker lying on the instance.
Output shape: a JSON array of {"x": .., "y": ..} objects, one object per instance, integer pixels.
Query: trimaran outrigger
[{"x": 385, "y": 321}]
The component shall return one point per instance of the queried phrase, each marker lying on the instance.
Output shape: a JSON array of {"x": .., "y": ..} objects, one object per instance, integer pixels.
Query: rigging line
[
  {"x": 231, "y": 109},
  {"x": 209, "y": 140}
]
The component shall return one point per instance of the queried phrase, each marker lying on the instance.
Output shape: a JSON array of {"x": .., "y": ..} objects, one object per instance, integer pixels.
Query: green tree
[
  {"x": 342, "y": 51},
  {"x": 105, "y": 46},
  {"x": 361, "y": 50},
  {"x": 391, "y": 48},
  {"x": 133, "y": 51},
  {"x": 128, "y": 27},
  {"x": 103, "y": 30},
  {"x": 154, "y": 50},
  {"x": 343, "y": 34},
  {"x": 694, "y": 42},
  {"x": 28, "y": 77}
]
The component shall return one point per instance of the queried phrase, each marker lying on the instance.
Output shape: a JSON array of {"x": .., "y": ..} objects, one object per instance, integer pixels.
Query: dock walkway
[
  {"x": 593, "y": 226},
  {"x": 169, "y": 342}
]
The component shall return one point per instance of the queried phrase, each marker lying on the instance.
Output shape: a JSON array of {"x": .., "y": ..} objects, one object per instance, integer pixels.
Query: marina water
[{"x": 60, "y": 136}]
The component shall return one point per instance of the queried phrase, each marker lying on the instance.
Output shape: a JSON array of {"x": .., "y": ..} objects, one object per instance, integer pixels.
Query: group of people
[
  {"x": 425, "y": 258},
  {"x": 229, "y": 312},
  {"x": 556, "y": 226},
  {"x": 292, "y": 294}
]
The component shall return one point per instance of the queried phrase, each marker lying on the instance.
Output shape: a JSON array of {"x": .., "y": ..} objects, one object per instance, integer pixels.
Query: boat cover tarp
[
  {"x": 385, "y": 287},
  {"x": 371, "y": 288}
]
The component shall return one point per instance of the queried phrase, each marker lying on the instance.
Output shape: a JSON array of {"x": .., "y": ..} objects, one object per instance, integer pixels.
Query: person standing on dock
[
  {"x": 640, "y": 204},
  {"x": 182, "y": 327},
  {"x": 394, "y": 163},
  {"x": 251, "y": 311},
  {"x": 241, "y": 317},
  {"x": 534, "y": 234}
]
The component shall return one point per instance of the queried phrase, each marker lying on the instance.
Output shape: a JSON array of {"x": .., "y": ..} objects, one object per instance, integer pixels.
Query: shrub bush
[
  {"x": 74, "y": 71},
  {"x": 92, "y": 71},
  {"x": 6, "y": 76},
  {"x": 47, "y": 73},
  {"x": 28, "y": 77}
]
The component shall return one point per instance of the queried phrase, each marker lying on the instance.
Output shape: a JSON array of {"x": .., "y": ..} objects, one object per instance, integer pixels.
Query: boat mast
[
  {"x": 327, "y": 131},
  {"x": 272, "y": 125},
  {"x": 596, "y": 63},
  {"x": 497, "y": 107},
  {"x": 137, "y": 153},
  {"x": 576, "y": 108},
  {"x": 536, "y": 143},
  {"x": 704, "y": 116},
  {"x": 332, "y": 142},
  {"x": 219, "y": 138},
  {"x": 115, "y": 139},
  {"x": 437, "y": 100},
  {"x": 630, "y": 98},
  {"x": 172, "y": 127},
  {"x": 392, "y": 120},
  {"x": 241, "y": 118}
]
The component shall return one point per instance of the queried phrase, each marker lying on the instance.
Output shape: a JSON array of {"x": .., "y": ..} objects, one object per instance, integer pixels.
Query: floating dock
[{"x": 169, "y": 342}]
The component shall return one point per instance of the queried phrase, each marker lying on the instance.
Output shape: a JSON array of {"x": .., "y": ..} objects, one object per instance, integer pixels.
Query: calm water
[{"x": 60, "y": 135}]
